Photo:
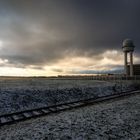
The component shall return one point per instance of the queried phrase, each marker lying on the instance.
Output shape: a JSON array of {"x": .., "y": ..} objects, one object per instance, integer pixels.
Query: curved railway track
[{"x": 11, "y": 118}]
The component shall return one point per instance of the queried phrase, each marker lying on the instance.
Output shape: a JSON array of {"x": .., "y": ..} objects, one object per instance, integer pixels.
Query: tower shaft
[
  {"x": 131, "y": 64},
  {"x": 125, "y": 63}
]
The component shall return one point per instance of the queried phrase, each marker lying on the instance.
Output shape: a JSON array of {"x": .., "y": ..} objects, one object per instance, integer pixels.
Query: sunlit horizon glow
[{"x": 68, "y": 66}]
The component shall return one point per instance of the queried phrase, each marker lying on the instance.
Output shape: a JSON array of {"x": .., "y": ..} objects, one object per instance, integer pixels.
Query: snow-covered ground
[
  {"x": 18, "y": 94},
  {"x": 117, "y": 120}
]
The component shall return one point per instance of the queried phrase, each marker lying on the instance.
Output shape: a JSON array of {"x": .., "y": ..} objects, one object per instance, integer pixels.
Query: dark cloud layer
[{"x": 38, "y": 32}]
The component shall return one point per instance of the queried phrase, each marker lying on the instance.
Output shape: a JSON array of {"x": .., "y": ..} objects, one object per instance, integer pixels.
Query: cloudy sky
[{"x": 54, "y": 37}]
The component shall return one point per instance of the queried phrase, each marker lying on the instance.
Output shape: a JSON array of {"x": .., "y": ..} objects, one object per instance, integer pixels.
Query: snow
[
  {"x": 117, "y": 120},
  {"x": 17, "y": 94}
]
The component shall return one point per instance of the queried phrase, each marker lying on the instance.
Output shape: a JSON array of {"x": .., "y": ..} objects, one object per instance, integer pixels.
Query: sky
[{"x": 60, "y": 37}]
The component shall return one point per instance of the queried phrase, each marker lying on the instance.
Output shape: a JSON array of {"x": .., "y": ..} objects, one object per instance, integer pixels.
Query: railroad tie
[{"x": 27, "y": 115}]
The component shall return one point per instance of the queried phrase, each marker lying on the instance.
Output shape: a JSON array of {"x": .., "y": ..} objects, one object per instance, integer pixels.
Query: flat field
[{"x": 18, "y": 94}]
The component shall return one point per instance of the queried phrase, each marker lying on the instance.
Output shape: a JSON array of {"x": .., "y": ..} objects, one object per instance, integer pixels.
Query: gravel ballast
[{"x": 113, "y": 120}]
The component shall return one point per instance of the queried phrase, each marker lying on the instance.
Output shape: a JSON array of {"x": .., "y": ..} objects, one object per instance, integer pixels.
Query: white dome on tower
[{"x": 128, "y": 45}]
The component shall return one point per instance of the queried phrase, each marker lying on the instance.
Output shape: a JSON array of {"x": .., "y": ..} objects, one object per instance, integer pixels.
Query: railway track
[{"x": 11, "y": 118}]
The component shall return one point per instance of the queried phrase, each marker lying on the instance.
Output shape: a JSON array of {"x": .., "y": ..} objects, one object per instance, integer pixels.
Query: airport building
[{"x": 136, "y": 68}]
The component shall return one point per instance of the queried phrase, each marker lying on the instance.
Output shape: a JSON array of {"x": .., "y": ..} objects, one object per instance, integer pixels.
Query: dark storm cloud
[{"x": 43, "y": 32}]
